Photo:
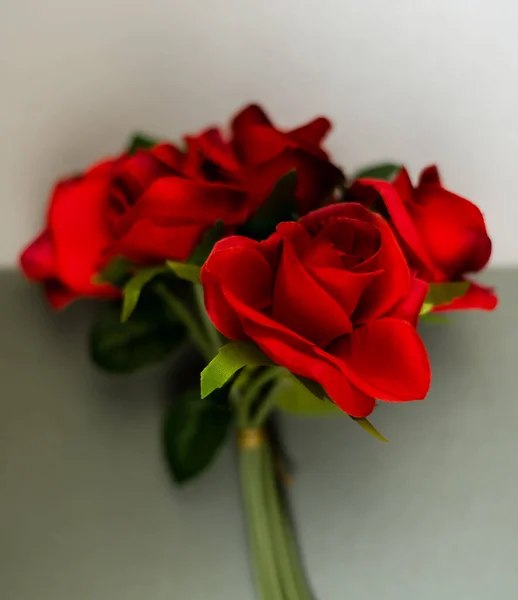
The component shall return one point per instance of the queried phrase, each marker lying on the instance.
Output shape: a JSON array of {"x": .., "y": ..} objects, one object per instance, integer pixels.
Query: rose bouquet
[{"x": 250, "y": 257}]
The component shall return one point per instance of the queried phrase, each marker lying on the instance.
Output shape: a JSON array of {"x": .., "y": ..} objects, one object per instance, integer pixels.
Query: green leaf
[
  {"x": 315, "y": 388},
  {"x": 140, "y": 141},
  {"x": 293, "y": 397},
  {"x": 385, "y": 171},
  {"x": 303, "y": 397},
  {"x": 279, "y": 206},
  {"x": 194, "y": 431},
  {"x": 204, "y": 248},
  {"x": 435, "y": 318},
  {"x": 133, "y": 289},
  {"x": 228, "y": 361},
  {"x": 443, "y": 293},
  {"x": 148, "y": 337},
  {"x": 117, "y": 272},
  {"x": 185, "y": 271},
  {"x": 369, "y": 428}
]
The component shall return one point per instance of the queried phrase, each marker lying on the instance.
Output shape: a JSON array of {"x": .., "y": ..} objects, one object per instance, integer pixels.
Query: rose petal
[
  {"x": 289, "y": 350},
  {"x": 37, "y": 261},
  {"x": 453, "y": 230},
  {"x": 260, "y": 180},
  {"x": 386, "y": 359},
  {"x": 316, "y": 180},
  {"x": 170, "y": 155},
  {"x": 250, "y": 115},
  {"x": 139, "y": 172},
  {"x": 297, "y": 235},
  {"x": 103, "y": 169},
  {"x": 58, "y": 295},
  {"x": 401, "y": 220},
  {"x": 319, "y": 219},
  {"x": 403, "y": 185},
  {"x": 220, "y": 271},
  {"x": 214, "y": 147},
  {"x": 477, "y": 297},
  {"x": 392, "y": 285},
  {"x": 430, "y": 176},
  {"x": 345, "y": 287},
  {"x": 312, "y": 133},
  {"x": 148, "y": 242},
  {"x": 244, "y": 272},
  {"x": 80, "y": 233},
  {"x": 410, "y": 307},
  {"x": 392, "y": 282},
  {"x": 271, "y": 336},
  {"x": 354, "y": 238},
  {"x": 321, "y": 253},
  {"x": 220, "y": 312},
  {"x": 188, "y": 201},
  {"x": 262, "y": 143},
  {"x": 248, "y": 118},
  {"x": 302, "y": 305},
  {"x": 344, "y": 394},
  {"x": 234, "y": 241}
]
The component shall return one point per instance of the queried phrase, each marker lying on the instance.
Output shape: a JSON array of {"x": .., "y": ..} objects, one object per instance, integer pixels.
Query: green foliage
[
  {"x": 228, "y": 361},
  {"x": 293, "y": 397},
  {"x": 385, "y": 171},
  {"x": 443, "y": 293},
  {"x": 438, "y": 319},
  {"x": 133, "y": 289},
  {"x": 194, "y": 431},
  {"x": 315, "y": 388},
  {"x": 185, "y": 271},
  {"x": 140, "y": 141},
  {"x": 369, "y": 428},
  {"x": 204, "y": 248},
  {"x": 303, "y": 397},
  {"x": 148, "y": 337},
  {"x": 279, "y": 206},
  {"x": 117, "y": 272}
]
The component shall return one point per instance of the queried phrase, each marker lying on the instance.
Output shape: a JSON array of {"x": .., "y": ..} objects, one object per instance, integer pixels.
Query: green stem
[
  {"x": 279, "y": 573},
  {"x": 303, "y": 588},
  {"x": 252, "y": 393},
  {"x": 212, "y": 333},
  {"x": 266, "y": 567},
  {"x": 277, "y": 530},
  {"x": 187, "y": 318},
  {"x": 236, "y": 397},
  {"x": 268, "y": 404},
  {"x": 294, "y": 580},
  {"x": 249, "y": 497}
]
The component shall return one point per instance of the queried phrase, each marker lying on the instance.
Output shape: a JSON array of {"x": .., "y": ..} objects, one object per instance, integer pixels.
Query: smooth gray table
[{"x": 87, "y": 511}]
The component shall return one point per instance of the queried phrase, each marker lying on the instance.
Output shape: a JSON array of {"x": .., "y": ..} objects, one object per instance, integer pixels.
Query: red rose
[
  {"x": 443, "y": 235},
  {"x": 151, "y": 206},
  {"x": 257, "y": 155},
  {"x": 67, "y": 254},
  {"x": 330, "y": 298},
  {"x": 161, "y": 204},
  {"x": 158, "y": 203},
  {"x": 163, "y": 200}
]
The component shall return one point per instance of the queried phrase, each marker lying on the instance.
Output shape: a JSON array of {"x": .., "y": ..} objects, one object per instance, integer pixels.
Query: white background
[{"x": 415, "y": 80}]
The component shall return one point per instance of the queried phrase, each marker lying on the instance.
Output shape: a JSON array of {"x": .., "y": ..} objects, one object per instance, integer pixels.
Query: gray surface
[{"x": 87, "y": 511}]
